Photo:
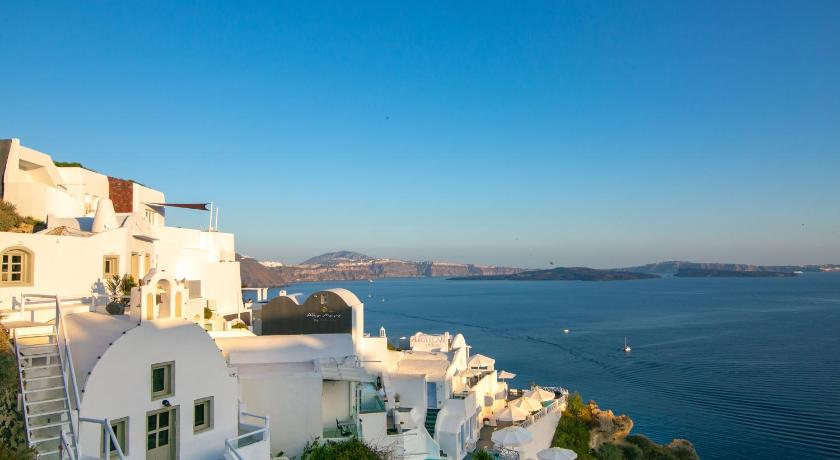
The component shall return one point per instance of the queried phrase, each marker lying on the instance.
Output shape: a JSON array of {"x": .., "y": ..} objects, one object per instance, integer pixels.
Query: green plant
[
  {"x": 351, "y": 449},
  {"x": 208, "y": 313},
  {"x": 12, "y": 437},
  {"x": 118, "y": 288},
  {"x": 239, "y": 325},
  {"x": 481, "y": 454},
  {"x": 572, "y": 433}
]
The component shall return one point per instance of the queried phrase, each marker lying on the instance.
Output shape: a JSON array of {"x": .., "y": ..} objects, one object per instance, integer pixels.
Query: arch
[
  {"x": 17, "y": 268},
  {"x": 163, "y": 297}
]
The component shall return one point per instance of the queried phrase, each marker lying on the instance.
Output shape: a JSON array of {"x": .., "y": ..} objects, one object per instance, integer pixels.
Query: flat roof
[{"x": 265, "y": 349}]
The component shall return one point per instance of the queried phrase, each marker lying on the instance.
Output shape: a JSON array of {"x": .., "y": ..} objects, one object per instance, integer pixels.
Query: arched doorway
[{"x": 163, "y": 298}]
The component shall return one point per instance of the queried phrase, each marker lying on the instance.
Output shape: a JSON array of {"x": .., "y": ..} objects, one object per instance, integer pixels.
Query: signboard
[{"x": 322, "y": 313}]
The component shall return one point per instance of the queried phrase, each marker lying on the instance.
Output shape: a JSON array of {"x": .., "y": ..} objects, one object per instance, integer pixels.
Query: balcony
[
  {"x": 254, "y": 440},
  {"x": 343, "y": 429}
]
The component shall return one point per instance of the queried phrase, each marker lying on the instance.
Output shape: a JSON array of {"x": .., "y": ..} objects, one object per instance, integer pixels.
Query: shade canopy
[
  {"x": 481, "y": 361},
  {"x": 470, "y": 373},
  {"x": 540, "y": 395},
  {"x": 556, "y": 453},
  {"x": 197, "y": 206},
  {"x": 527, "y": 404},
  {"x": 512, "y": 414},
  {"x": 512, "y": 436},
  {"x": 504, "y": 375}
]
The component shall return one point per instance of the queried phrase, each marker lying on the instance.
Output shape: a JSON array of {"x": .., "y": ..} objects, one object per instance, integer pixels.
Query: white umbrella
[
  {"x": 504, "y": 375},
  {"x": 556, "y": 453},
  {"x": 527, "y": 404},
  {"x": 479, "y": 360},
  {"x": 512, "y": 414},
  {"x": 512, "y": 436},
  {"x": 540, "y": 395},
  {"x": 470, "y": 373}
]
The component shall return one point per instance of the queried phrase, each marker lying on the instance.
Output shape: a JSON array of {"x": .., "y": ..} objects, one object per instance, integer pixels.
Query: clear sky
[{"x": 583, "y": 133}]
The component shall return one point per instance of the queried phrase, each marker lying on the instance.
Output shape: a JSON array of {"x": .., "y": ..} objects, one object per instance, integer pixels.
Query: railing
[
  {"x": 110, "y": 439},
  {"x": 234, "y": 444},
  {"x": 65, "y": 356},
  {"x": 64, "y": 447},
  {"x": 551, "y": 408}
]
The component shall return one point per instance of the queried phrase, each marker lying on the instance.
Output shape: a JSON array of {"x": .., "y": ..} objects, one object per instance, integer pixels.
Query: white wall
[
  {"x": 120, "y": 386},
  {"x": 291, "y": 398},
  {"x": 335, "y": 402}
]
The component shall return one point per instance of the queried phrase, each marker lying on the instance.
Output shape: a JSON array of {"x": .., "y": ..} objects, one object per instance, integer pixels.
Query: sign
[{"x": 322, "y": 313}]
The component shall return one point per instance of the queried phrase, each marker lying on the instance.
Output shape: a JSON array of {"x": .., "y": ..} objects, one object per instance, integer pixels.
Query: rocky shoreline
[{"x": 597, "y": 434}]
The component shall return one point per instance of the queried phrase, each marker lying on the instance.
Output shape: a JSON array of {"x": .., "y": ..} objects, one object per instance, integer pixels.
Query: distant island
[
  {"x": 714, "y": 273},
  {"x": 350, "y": 265},
  {"x": 563, "y": 274},
  {"x": 673, "y": 266}
]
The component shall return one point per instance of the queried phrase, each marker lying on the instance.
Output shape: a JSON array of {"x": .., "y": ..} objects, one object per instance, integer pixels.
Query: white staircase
[{"x": 46, "y": 400}]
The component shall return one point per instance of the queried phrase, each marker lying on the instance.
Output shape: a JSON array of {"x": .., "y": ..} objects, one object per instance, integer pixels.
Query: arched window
[{"x": 16, "y": 267}]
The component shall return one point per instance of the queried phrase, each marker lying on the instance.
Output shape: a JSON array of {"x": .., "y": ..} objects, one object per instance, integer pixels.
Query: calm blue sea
[{"x": 744, "y": 368}]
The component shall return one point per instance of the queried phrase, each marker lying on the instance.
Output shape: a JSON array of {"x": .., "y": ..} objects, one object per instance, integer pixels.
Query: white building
[{"x": 170, "y": 377}]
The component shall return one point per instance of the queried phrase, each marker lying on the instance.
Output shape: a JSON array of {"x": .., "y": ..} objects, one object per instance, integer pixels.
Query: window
[
  {"x": 162, "y": 380},
  {"x": 16, "y": 267},
  {"x": 203, "y": 415},
  {"x": 120, "y": 427},
  {"x": 110, "y": 266}
]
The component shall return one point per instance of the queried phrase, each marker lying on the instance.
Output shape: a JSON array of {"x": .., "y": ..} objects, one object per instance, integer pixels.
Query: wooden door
[{"x": 161, "y": 434}]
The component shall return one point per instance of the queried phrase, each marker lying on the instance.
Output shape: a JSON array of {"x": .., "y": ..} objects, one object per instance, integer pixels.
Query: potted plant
[{"x": 119, "y": 289}]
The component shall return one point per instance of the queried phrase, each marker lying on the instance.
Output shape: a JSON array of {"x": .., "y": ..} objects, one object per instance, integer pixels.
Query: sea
[{"x": 744, "y": 368}]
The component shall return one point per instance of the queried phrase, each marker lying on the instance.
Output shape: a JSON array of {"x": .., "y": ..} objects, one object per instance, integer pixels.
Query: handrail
[
  {"x": 229, "y": 443},
  {"x": 67, "y": 366},
  {"x": 64, "y": 447},
  {"x": 112, "y": 437}
]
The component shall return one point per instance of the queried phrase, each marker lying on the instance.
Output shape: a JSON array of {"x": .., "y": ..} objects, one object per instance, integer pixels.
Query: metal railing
[
  {"x": 232, "y": 445},
  {"x": 110, "y": 439},
  {"x": 63, "y": 447}
]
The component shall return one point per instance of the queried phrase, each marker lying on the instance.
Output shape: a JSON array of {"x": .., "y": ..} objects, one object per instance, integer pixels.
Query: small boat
[
  {"x": 565, "y": 331},
  {"x": 626, "y": 347}
]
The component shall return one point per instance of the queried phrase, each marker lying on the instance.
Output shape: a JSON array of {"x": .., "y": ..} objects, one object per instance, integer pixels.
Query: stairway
[
  {"x": 46, "y": 404},
  {"x": 431, "y": 420}
]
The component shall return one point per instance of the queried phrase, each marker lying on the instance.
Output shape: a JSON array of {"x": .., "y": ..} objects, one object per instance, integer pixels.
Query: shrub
[
  {"x": 610, "y": 452},
  {"x": 239, "y": 325},
  {"x": 352, "y": 449},
  {"x": 12, "y": 436},
  {"x": 208, "y": 313},
  {"x": 572, "y": 433},
  {"x": 481, "y": 454},
  {"x": 11, "y": 221}
]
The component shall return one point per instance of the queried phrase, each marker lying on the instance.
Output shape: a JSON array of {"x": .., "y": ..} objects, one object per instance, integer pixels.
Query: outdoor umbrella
[
  {"x": 511, "y": 414},
  {"x": 540, "y": 395},
  {"x": 527, "y": 404},
  {"x": 556, "y": 453},
  {"x": 504, "y": 375},
  {"x": 479, "y": 360},
  {"x": 512, "y": 436},
  {"x": 470, "y": 373}
]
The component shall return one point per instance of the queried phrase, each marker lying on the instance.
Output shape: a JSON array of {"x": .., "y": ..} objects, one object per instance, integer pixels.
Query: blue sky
[{"x": 583, "y": 133}]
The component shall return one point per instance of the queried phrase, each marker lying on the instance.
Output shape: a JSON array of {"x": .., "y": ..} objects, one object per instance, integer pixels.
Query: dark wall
[{"x": 322, "y": 313}]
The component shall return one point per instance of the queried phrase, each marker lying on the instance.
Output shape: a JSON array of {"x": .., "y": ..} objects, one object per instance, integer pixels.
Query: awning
[{"x": 198, "y": 206}]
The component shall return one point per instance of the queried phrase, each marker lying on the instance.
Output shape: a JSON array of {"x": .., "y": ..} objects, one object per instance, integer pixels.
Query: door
[
  {"x": 431, "y": 395},
  {"x": 161, "y": 434}
]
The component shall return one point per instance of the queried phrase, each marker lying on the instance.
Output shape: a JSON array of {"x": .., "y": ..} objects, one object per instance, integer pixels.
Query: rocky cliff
[
  {"x": 347, "y": 265},
  {"x": 674, "y": 266}
]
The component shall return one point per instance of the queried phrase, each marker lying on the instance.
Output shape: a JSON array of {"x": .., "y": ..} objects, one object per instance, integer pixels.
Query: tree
[{"x": 119, "y": 289}]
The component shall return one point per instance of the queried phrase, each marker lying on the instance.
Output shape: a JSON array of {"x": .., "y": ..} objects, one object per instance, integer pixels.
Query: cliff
[
  {"x": 347, "y": 265},
  {"x": 673, "y": 266},
  {"x": 715, "y": 273},
  {"x": 563, "y": 274}
]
